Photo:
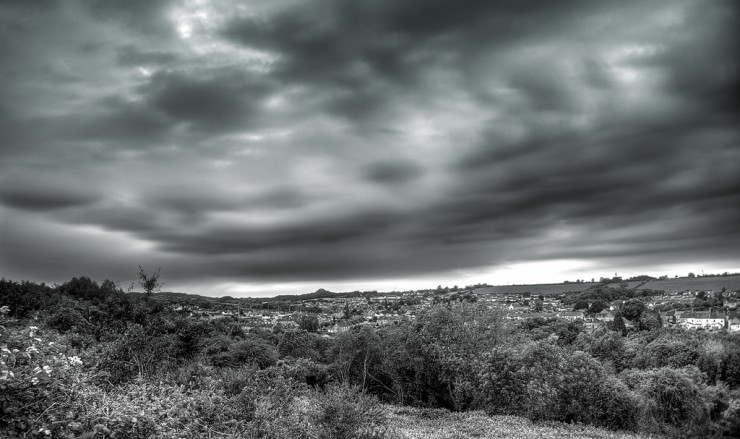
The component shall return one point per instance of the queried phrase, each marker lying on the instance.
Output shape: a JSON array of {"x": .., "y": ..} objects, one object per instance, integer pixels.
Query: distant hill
[
  {"x": 703, "y": 283},
  {"x": 324, "y": 294},
  {"x": 537, "y": 288}
]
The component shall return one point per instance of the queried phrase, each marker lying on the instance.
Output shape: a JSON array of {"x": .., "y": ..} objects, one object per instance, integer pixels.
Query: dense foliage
[{"x": 84, "y": 359}]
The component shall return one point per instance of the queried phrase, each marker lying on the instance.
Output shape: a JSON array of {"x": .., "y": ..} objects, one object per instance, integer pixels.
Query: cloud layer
[{"x": 323, "y": 141}]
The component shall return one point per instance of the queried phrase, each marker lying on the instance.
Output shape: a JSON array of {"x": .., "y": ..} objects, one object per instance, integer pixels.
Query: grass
[
  {"x": 413, "y": 423},
  {"x": 731, "y": 283},
  {"x": 536, "y": 289},
  {"x": 714, "y": 283}
]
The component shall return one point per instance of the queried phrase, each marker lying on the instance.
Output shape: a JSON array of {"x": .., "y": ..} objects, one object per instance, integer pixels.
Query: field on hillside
[
  {"x": 536, "y": 289},
  {"x": 732, "y": 283},
  {"x": 412, "y": 423}
]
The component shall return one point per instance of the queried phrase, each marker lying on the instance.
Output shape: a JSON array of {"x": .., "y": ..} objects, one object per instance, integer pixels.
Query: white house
[
  {"x": 703, "y": 320},
  {"x": 734, "y": 325},
  {"x": 571, "y": 315}
]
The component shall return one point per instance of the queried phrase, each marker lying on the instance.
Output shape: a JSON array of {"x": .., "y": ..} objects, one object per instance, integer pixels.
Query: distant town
[{"x": 689, "y": 305}]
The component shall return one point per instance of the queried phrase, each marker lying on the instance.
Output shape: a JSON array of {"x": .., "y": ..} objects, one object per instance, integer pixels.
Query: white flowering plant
[{"x": 35, "y": 372}]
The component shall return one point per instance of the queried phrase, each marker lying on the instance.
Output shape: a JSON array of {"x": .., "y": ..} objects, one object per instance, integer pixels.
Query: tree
[
  {"x": 308, "y": 323},
  {"x": 597, "y": 306},
  {"x": 354, "y": 355},
  {"x": 633, "y": 309},
  {"x": 650, "y": 319},
  {"x": 150, "y": 282},
  {"x": 618, "y": 324},
  {"x": 297, "y": 344},
  {"x": 581, "y": 304}
]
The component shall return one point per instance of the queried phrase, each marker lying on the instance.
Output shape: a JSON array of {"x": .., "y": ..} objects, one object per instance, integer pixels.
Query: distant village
[{"x": 332, "y": 315}]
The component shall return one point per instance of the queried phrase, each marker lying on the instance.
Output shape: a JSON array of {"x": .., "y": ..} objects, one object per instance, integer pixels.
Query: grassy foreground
[{"x": 413, "y": 423}]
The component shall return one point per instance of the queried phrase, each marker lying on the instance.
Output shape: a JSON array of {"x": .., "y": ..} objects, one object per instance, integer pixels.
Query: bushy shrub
[
  {"x": 233, "y": 380},
  {"x": 65, "y": 319},
  {"x": 343, "y": 412},
  {"x": 667, "y": 352},
  {"x": 297, "y": 344},
  {"x": 731, "y": 369},
  {"x": 671, "y": 402},
  {"x": 25, "y": 298},
  {"x": 274, "y": 404},
  {"x": 189, "y": 338},
  {"x": 216, "y": 344},
  {"x": 137, "y": 353},
  {"x": 307, "y": 371},
  {"x": 610, "y": 348},
  {"x": 528, "y": 383},
  {"x": 37, "y": 376},
  {"x": 545, "y": 382},
  {"x": 612, "y": 406},
  {"x": 245, "y": 352},
  {"x": 730, "y": 421}
]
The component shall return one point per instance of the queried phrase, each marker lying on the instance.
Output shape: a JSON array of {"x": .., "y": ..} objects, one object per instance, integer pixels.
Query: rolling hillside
[{"x": 714, "y": 283}]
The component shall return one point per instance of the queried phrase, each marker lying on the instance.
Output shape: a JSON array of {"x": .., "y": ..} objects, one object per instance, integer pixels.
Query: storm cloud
[{"x": 259, "y": 146}]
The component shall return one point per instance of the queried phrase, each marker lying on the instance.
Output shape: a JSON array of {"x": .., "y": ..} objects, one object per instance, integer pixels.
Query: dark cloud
[
  {"x": 702, "y": 65},
  {"x": 137, "y": 15},
  {"x": 116, "y": 120},
  {"x": 392, "y": 172},
  {"x": 281, "y": 198},
  {"x": 363, "y": 54},
  {"x": 308, "y": 233},
  {"x": 211, "y": 103},
  {"x": 325, "y": 140},
  {"x": 45, "y": 198}
]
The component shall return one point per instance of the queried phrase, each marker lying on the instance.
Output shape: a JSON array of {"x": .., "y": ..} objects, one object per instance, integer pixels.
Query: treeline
[
  {"x": 602, "y": 295},
  {"x": 157, "y": 372}
]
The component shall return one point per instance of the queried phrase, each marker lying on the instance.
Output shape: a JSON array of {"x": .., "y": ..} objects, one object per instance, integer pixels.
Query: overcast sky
[{"x": 266, "y": 147}]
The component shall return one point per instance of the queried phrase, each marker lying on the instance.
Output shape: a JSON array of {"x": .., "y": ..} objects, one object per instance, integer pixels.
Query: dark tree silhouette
[{"x": 150, "y": 282}]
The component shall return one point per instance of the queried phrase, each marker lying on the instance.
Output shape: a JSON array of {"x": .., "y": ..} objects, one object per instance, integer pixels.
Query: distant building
[
  {"x": 668, "y": 317},
  {"x": 703, "y": 320},
  {"x": 734, "y": 324},
  {"x": 571, "y": 315},
  {"x": 339, "y": 327},
  {"x": 605, "y": 316}
]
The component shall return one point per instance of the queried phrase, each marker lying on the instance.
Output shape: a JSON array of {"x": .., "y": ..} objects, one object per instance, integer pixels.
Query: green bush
[
  {"x": 343, "y": 412},
  {"x": 251, "y": 351},
  {"x": 612, "y": 406},
  {"x": 667, "y": 352},
  {"x": 65, "y": 319},
  {"x": 670, "y": 400},
  {"x": 546, "y": 382},
  {"x": 137, "y": 353},
  {"x": 275, "y": 405},
  {"x": 38, "y": 377},
  {"x": 730, "y": 421}
]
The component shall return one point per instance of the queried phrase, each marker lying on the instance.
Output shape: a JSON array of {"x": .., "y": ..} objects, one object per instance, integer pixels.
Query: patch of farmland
[
  {"x": 714, "y": 283},
  {"x": 536, "y": 288}
]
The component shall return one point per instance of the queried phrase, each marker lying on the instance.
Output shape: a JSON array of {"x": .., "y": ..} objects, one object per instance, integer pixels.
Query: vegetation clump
[{"x": 87, "y": 360}]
